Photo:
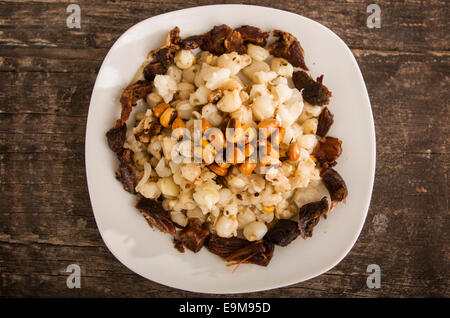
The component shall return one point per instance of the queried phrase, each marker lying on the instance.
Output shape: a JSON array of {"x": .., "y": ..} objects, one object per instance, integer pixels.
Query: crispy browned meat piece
[
  {"x": 126, "y": 172},
  {"x": 156, "y": 216},
  {"x": 214, "y": 40},
  {"x": 313, "y": 92},
  {"x": 254, "y": 35},
  {"x": 191, "y": 42},
  {"x": 335, "y": 184},
  {"x": 327, "y": 150},
  {"x": 234, "y": 43},
  {"x": 130, "y": 95},
  {"x": 325, "y": 122},
  {"x": 194, "y": 235},
  {"x": 166, "y": 53},
  {"x": 240, "y": 250},
  {"x": 288, "y": 47},
  {"x": 154, "y": 68},
  {"x": 309, "y": 215},
  {"x": 116, "y": 138},
  {"x": 283, "y": 233}
]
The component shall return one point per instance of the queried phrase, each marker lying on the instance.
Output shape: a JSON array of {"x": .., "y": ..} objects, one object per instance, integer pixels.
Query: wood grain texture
[{"x": 47, "y": 72}]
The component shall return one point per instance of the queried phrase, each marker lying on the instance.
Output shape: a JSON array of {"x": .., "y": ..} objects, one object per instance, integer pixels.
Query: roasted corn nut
[
  {"x": 167, "y": 117},
  {"x": 294, "y": 151},
  {"x": 220, "y": 171},
  {"x": 247, "y": 167},
  {"x": 159, "y": 109},
  {"x": 234, "y": 132},
  {"x": 178, "y": 128}
]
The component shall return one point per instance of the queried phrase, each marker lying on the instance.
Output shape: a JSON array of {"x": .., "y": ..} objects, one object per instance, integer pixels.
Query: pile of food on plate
[{"x": 231, "y": 149}]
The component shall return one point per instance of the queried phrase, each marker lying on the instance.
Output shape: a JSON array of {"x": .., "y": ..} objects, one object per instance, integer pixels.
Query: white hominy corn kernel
[
  {"x": 263, "y": 107},
  {"x": 282, "y": 92},
  {"x": 154, "y": 148},
  {"x": 165, "y": 86},
  {"x": 211, "y": 114},
  {"x": 175, "y": 73},
  {"x": 168, "y": 204},
  {"x": 144, "y": 179},
  {"x": 207, "y": 57},
  {"x": 309, "y": 126},
  {"x": 184, "y": 109},
  {"x": 255, "y": 231},
  {"x": 150, "y": 190},
  {"x": 264, "y": 77},
  {"x": 189, "y": 74},
  {"x": 230, "y": 101},
  {"x": 196, "y": 213},
  {"x": 179, "y": 218},
  {"x": 282, "y": 67},
  {"x": 256, "y": 66},
  {"x": 184, "y": 59},
  {"x": 312, "y": 111},
  {"x": 185, "y": 89},
  {"x": 237, "y": 182},
  {"x": 230, "y": 61},
  {"x": 245, "y": 217},
  {"x": 258, "y": 90},
  {"x": 257, "y": 52},
  {"x": 153, "y": 99},
  {"x": 168, "y": 187},
  {"x": 233, "y": 83},
  {"x": 162, "y": 169},
  {"x": 257, "y": 183},
  {"x": 226, "y": 226},
  {"x": 244, "y": 114},
  {"x": 206, "y": 196},
  {"x": 230, "y": 209},
  {"x": 200, "y": 96},
  {"x": 191, "y": 171},
  {"x": 225, "y": 196},
  {"x": 307, "y": 142},
  {"x": 265, "y": 217},
  {"x": 306, "y": 195},
  {"x": 167, "y": 146},
  {"x": 288, "y": 113},
  {"x": 214, "y": 76}
]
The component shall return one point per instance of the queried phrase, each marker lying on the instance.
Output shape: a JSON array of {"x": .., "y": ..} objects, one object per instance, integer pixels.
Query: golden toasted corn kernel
[
  {"x": 249, "y": 150},
  {"x": 159, "y": 109},
  {"x": 218, "y": 170},
  {"x": 224, "y": 165},
  {"x": 205, "y": 125},
  {"x": 216, "y": 138},
  {"x": 313, "y": 158},
  {"x": 206, "y": 154},
  {"x": 294, "y": 151},
  {"x": 268, "y": 209},
  {"x": 266, "y": 148},
  {"x": 234, "y": 132},
  {"x": 235, "y": 157},
  {"x": 167, "y": 117},
  {"x": 247, "y": 167},
  {"x": 178, "y": 128},
  {"x": 267, "y": 127},
  {"x": 278, "y": 135},
  {"x": 249, "y": 133}
]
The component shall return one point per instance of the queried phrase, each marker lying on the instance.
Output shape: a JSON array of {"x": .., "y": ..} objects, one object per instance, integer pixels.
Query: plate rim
[{"x": 371, "y": 131}]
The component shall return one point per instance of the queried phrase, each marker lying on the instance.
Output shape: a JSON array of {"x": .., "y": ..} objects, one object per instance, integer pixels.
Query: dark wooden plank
[{"x": 47, "y": 74}]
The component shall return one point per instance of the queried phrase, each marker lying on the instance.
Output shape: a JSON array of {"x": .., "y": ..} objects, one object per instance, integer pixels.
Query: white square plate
[{"x": 150, "y": 253}]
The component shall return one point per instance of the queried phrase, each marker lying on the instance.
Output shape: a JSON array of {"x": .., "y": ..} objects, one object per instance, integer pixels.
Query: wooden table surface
[{"x": 47, "y": 75}]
